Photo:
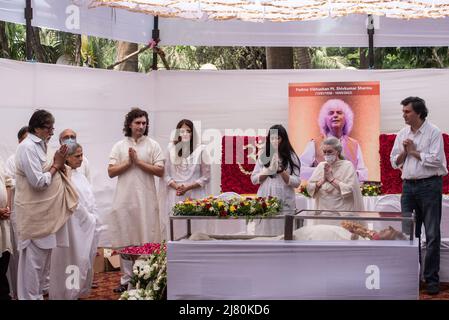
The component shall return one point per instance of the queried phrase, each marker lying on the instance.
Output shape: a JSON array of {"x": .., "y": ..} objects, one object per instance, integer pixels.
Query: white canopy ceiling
[
  {"x": 117, "y": 24},
  {"x": 281, "y": 10}
]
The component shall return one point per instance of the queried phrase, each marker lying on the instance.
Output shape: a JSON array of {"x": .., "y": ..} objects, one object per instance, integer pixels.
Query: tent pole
[
  {"x": 155, "y": 36},
  {"x": 28, "y": 17},
  {"x": 370, "y": 30}
]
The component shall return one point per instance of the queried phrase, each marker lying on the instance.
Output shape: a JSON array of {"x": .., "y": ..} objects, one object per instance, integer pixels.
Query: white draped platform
[{"x": 245, "y": 269}]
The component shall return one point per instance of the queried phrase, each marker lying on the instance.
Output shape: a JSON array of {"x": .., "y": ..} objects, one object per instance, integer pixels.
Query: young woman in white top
[
  {"x": 277, "y": 171},
  {"x": 187, "y": 175}
]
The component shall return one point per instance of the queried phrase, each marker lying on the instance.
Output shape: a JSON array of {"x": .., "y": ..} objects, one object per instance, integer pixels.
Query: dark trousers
[
  {"x": 424, "y": 197},
  {"x": 4, "y": 285}
]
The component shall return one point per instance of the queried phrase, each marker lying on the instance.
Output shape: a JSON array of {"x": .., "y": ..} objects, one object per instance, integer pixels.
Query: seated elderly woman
[{"x": 334, "y": 184}]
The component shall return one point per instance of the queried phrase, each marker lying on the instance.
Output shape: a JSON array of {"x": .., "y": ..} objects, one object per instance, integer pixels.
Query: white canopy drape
[{"x": 349, "y": 31}]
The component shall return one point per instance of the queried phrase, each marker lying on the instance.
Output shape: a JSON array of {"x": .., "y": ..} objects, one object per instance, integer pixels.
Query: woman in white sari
[
  {"x": 187, "y": 175},
  {"x": 71, "y": 271},
  {"x": 334, "y": 184}
]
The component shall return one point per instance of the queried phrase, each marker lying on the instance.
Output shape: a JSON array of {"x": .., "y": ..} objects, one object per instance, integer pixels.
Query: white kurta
[
  {"x": 5, "y": 238},
  {"x": 34, "y": 255},
  {"x": 10, "y": 173},
  {"x": 193, "y": 169},
  {"x": 134, "y": 219},
  {"x": 85, "y": 169},
  {"x": 349, "y": 197},
  {"x": 276, "y": 187},
  {"x": 83, "y": 231},
  {"x": 308, "y": 159}
]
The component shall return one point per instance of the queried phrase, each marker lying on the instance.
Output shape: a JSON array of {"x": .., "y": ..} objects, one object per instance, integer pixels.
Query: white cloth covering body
[{"x": 323, "y": 233}]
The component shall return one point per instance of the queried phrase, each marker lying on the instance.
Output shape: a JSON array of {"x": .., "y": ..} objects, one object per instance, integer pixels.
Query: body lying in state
[{"x": 348, "y": 231}]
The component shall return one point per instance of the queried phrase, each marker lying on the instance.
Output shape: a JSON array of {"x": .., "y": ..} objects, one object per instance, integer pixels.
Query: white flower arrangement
[
  {"x": 149, "y": 277},
  {"x": 136, "y": 294}
]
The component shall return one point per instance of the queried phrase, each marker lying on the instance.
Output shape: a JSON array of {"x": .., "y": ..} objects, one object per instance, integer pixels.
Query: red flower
[{"x": 146, "y": 249}]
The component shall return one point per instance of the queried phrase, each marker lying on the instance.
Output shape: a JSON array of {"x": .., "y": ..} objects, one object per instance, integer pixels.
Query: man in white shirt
[
  {"x": 418, "y": 152},
  {"x": 40, "y": 228},
  {"x": 68, "y": 136}
]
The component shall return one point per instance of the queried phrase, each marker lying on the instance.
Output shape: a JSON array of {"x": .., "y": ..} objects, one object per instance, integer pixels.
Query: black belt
[{"x": 421, "y": 180}]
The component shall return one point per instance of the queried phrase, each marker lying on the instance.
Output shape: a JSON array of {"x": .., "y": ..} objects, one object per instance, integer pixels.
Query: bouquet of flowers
[
  {"x": 371, "y": 189},
  {"x": 136, "y": 294},
  {"x": 149, "y": 276},
  {"x": 303, "y": 190},
  {"x": 235, "y": 207}
]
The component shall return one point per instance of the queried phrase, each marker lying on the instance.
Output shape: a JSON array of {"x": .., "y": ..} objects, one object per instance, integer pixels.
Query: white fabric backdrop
[
  {"x": 94, "y": 102},
  {"x": 348, "y": 31}
]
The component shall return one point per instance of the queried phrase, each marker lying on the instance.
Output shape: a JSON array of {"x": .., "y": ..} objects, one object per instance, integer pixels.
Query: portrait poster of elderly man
[{"x": 348, "y": 111}]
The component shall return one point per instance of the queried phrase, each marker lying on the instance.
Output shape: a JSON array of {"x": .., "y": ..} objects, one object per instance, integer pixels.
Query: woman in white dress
[
  {"x": 187, "y": 175},
  {"x": 277, "y": 171},
  {"x": 334, "y": 184},
  {"x": 71, "y": 270}
]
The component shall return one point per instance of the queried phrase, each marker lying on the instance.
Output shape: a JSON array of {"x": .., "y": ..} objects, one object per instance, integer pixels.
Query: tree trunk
[
  {"x": 379, "y": 57},
  {"x": 38, "y": 49},
  {"x": 279, "y": 57},
  {"x": 364, "y": 61},
  {"x": 77, "y": 49},
  {"x": 305, "y": 61},
  {"x": 437, "y": 58},
  {"x": 4, "y": 47},
  {"x": 124, "y": 49}
]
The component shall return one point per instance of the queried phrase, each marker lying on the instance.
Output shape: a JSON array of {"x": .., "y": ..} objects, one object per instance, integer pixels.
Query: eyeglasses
[{"x": 328, "y": 152}]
